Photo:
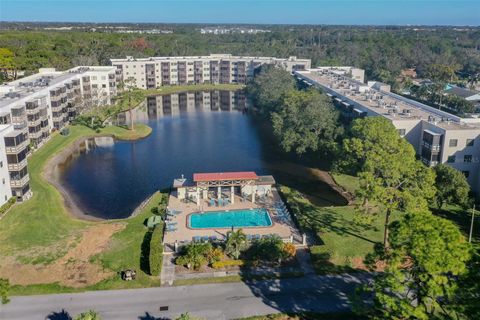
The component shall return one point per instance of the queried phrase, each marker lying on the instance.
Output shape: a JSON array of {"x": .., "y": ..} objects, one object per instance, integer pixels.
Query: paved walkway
[
  {"x": 210, "y": 301},
  {"x": 167, "y": 275},
  {"x": 305, "y": 261}
]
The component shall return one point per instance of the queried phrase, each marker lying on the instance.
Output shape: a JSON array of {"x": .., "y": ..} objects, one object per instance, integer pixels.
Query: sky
[{"x": 350, "y": 12}]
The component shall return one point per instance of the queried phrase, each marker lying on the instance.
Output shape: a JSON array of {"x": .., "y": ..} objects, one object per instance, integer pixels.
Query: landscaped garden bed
[{"x": 237, "y": 256}]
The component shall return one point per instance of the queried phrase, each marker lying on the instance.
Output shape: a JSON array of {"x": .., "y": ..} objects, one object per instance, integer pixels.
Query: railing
[
  {"x": 17, "y": 166},
  {"x": 35, "y": 135},
  {"x": 34, "y": 123},
  {"x": 16, "y": 149},
  {"x": 20, "y": 182}
]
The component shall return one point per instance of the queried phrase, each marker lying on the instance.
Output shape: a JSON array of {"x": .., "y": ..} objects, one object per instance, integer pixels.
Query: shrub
[
  {"x": 156, "y": 251},
  {"x": 227, "y": 263},
  {"x": 267, "y": 249},
  {"x": 7, "y": 205},
  {"x": 289, "y": 250},
  {"x": 214, "y": 255},
  {"x": 194, "y": 255}
]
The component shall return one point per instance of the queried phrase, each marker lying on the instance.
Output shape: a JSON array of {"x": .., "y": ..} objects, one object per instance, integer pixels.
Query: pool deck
[{"x": 285, "y": 229}]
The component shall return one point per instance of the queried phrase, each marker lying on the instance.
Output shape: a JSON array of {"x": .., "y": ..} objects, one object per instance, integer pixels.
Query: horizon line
[{"x": 243, "y": 23}]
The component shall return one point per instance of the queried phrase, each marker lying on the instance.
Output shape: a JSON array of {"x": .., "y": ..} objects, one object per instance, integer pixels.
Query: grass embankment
[
  {"x": 122, "y": 133},
  {"x": 129, "y": 249},
  {"x": 347, "y": 182},
  {"x": 344, "y": 242},
  {"x": 40, "y": 230},
  {"x": 193, "y": 87}
]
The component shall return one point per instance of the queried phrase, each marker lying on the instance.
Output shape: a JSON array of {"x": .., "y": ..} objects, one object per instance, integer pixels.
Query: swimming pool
[{"x": 227, "y": 219}]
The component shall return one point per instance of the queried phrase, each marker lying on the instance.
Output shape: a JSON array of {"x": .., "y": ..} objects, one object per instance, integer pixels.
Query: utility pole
[{"x": 471, "y": 225}]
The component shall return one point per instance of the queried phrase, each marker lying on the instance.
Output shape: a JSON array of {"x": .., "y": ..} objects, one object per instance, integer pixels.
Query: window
[
  {"x": 466, "y": 173},
  {"x": 470, "y": 142},
  {"x": 453, "y": 143},
  {"x": 401, "y": 132},
  {"x": 451, "y": 159},
  {"x": 1, "y": 164},
  {"x": 467, "y": 158},
  {"x": 104, "y": 85},
  {"x": 3, "y": 180},
  {"x": 5, "y": 198}
]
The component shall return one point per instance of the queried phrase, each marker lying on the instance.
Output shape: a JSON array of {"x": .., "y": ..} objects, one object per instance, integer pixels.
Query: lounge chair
[
  {"x": 256, "y": 237},
  {"x": 213, "y": 238},
  {"x": 212, "y": 203},
  {"x": 196, "y": 239},
  {"x": 170, "y": 228},
  {"x": 249, "y": 237},
  {"x": 205, "y": 239}
]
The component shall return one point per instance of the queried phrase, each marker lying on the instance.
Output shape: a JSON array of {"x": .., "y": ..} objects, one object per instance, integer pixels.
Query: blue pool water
[{"x": 228, "y": 219}]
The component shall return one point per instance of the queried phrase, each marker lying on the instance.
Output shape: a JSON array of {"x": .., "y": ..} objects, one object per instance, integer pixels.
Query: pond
[{"x": 192, "y": 132}]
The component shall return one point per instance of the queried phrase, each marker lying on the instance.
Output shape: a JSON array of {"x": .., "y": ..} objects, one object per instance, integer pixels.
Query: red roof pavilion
[{"x": 222, "y": 176}]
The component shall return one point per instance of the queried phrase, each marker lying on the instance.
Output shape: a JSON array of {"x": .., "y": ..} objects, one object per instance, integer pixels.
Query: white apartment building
[
  {"x": 154, "y": 72},
  {"x": 5, "y": 188},
  {"x": 437, "y": 136},
  {"x": 31, "y": 107}
]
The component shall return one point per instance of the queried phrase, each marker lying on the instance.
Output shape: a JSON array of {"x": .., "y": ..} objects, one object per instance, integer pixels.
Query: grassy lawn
[
  {"x": 343, "y": 241},
  {"x": 123, "y": 133},
  {"x": 125, "y": 251},
  {"x": 347, "y": 182},
  {"x": 38, "y": 230},
  {"x": 193, "y": 87},
  {"x": 234, "y": 278},
  {"x": 43, "y": 220},
  {"x": 462, "y": 218}
]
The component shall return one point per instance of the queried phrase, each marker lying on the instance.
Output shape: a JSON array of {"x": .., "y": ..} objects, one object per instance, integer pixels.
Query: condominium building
[
  {"x": 154, "y": 72},
  {"x": 437, "y": 136},
  {"x": 31, "y": 107}
]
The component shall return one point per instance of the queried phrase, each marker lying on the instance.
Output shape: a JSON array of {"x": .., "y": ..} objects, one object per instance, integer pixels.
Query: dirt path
[{"x": 74, "y": 269}]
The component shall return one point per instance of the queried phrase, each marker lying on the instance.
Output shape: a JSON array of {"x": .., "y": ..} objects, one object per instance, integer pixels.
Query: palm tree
[
  {"x": 129, "y": 95},
  {"x": 236, "y": 242},
  {"x": 89, "y": 315},
  {"x": 194, "y": 255}
]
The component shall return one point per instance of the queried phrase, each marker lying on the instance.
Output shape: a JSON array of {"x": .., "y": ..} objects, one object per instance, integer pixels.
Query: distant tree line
[{"x": 382, "y": 51}]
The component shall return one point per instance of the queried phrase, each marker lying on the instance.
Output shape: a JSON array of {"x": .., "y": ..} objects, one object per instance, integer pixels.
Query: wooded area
[{"x": 382, "y": 51}]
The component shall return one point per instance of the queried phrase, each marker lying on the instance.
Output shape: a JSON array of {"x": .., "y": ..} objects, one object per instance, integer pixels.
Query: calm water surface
[{"x": 201, "y": 132}]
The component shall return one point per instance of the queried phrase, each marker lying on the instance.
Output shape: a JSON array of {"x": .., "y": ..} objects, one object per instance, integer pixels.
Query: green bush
[
  {"x": 156, "y": 251},
  {"x": 194, "y": 255},
  {"x": 7, "y": 205},
  {"x": 268, "y": 249},
  {"x": 227, "y": 263}
]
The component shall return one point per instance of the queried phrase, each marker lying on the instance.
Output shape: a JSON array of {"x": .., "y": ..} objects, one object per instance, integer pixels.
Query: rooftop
[
  {"x": 461, "y": 92},
  {"x": 222, "y": 176},
  {"x": 46, "y": 78},
  {"x": 211, "y": 56},
  {"x": 387, "y": 104}
]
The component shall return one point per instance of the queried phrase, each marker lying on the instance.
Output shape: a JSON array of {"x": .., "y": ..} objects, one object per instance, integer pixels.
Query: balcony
[
  {"x": 20, "y": 182},
  {"x": 17, "y": 166},
  {"x": 18, "y": 119},
  {"x": 34, "y": 123},
  {"x": 33, "y": 111},
  {"x": 18, "y": 148},
  {"x": 35, "y": 135}
]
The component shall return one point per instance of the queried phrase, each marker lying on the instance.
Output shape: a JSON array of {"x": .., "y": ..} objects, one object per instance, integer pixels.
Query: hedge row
[{"x": 156, "y": 251}]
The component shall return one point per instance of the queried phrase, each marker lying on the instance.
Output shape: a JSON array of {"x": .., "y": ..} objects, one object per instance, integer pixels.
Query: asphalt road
[{"x": 209, "y": 301}]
